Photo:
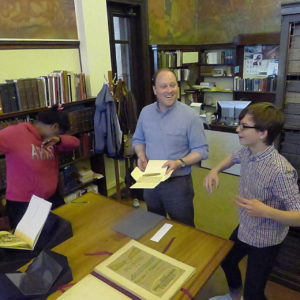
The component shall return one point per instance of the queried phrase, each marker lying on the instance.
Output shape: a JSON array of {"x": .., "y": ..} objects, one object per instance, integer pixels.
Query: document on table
[
  {"x": 153, "y": 175},
  {"x": 145, "y": 272}
]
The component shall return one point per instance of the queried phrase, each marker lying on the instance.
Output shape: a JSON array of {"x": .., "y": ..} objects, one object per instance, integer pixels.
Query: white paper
[
  {"x": 155, "y": 166},
  {"x": 272, "y": 68},
  {"x": 153, "y": 175},
  {"x": 161, "y": 232},
  {"x": 34, "y": 218}
]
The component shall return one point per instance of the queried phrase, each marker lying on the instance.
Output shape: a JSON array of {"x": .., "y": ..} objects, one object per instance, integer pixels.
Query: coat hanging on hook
[{"x": 108, "y": 134}]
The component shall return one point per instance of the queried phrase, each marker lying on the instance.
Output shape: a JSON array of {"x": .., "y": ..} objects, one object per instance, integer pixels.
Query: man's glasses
[{"x": 244, "y": 126}]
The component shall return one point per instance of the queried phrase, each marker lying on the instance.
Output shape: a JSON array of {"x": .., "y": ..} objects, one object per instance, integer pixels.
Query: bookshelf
[
  {"x": 286, "y": 270},
  {"x": 216, "y": 72},
  {"x": 182, "y": 59},
  {"x": 214, "y": 76},
  {"x": 81, "y": 116},
  {"x": 191, "y": 67},
  {"x": 257, "y": 88}
]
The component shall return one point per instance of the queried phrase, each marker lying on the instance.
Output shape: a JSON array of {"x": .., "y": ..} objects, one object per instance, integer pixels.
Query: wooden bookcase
[
  {"x": 265, "y": 39},
  {"x": 96, "y": 160},
  {"x": 207, "y": 71}
]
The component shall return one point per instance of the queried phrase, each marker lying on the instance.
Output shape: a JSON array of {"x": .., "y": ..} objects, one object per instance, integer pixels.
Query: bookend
[
  {"x": 56, "y": 230},
  {"x": 45, "y": 274}
]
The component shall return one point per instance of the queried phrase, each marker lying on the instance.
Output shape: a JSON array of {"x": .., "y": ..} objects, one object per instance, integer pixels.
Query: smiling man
[{"x": 170, "y": 130}]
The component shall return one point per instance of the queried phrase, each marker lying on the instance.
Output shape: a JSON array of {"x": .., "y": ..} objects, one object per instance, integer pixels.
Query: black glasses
[{"x": 244, "y": 126}]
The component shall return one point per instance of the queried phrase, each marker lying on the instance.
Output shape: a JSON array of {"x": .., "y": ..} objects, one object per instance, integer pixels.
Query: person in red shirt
[{"x": 32, "y": 159}]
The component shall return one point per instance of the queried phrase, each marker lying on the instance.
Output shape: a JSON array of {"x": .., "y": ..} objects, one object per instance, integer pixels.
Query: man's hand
[
  {"x": 172, "y": 165},
  {"x": 142, "y": 162},
  {"x": 211, "y": 181},
  {"x": 51, "y": 141},
  {"x": 253, "y": 207}
]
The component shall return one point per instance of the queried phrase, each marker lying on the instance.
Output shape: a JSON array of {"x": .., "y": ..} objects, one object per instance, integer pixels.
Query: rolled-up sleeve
[
  {"x": 197, "y": 138},
  {"x": 138, "y": 136}
]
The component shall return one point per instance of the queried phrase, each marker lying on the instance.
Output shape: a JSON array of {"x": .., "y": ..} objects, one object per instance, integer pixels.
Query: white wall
[
  {"x": 92, "y": 24},
  {"x": 27, "y": 63}
]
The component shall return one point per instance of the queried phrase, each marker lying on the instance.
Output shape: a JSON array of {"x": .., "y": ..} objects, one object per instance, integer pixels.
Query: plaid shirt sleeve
[
  {"x": 286, "y": 190},
  {"x": 237, "y": 156}
]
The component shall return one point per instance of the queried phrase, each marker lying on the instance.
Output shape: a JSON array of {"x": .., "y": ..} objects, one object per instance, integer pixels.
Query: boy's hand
[
  {"x": 51, "y": 141},
  {"x": 253, "y": 207},
  {"x": 211, "y": 181}
]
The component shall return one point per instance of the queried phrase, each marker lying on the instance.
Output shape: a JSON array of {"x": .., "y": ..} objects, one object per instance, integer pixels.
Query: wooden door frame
[{"x": 144, "y": 96}]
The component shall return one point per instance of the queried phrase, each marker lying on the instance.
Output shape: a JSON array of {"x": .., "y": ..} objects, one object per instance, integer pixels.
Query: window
[{"x": 129, "y": 46}]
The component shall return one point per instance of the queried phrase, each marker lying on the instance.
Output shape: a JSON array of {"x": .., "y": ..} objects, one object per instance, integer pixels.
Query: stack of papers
[{"x": 153, "y": 175}]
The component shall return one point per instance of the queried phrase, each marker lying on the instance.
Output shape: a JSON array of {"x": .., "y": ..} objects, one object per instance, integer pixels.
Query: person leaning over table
[
  {"x": 32, "y": 159},
  {"x": 170, "y": 130},
  {"x": 268, "y": 199}
]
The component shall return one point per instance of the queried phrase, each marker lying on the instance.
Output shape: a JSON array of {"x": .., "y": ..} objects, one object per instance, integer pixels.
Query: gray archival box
[{"x": 137, "y": 223}]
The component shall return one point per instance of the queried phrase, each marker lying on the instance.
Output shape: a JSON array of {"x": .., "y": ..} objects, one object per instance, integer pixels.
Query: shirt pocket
[
  {"x": 151, "y": 130},
  {"x": 176, "y": 137}
]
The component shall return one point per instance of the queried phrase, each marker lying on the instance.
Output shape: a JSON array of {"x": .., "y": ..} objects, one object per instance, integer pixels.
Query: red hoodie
[{"x": 31, "y": 169}]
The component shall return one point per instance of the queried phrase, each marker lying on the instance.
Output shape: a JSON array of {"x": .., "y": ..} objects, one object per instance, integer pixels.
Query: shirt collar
[
  {"x": 262, "y": 154},
  {"x": 169, "y": 109}
]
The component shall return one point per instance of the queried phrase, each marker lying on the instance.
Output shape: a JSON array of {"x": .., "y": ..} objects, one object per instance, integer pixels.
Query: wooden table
[{"x": 92, "y": 218}]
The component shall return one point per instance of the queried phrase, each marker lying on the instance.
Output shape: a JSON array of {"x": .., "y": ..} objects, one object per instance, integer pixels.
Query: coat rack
[{"x": 116, "y": 161}]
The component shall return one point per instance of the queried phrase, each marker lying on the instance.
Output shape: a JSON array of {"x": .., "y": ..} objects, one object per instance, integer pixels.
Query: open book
[
  {"x": 153, "y": 175},
  {"x": 29, "y": 228},
  {"x": 135, "y": 270}
]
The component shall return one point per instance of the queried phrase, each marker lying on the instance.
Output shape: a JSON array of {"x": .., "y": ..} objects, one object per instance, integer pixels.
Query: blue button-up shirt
[{"x": 171, "y": 135}]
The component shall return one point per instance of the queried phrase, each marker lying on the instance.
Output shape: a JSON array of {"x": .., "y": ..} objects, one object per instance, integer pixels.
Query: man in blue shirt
[{"x": 170, "y": 130}]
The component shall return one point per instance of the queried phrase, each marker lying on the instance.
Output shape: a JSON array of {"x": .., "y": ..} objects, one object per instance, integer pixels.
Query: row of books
[
  {"x": 169, "y": 59},
  {"x": 81, "y": 119},
  {"x": 86, "y": 148},
  {"x": 58, "y": 87},
  {"x": 6, "y": 123},
  {"x": 71, "y": 176},
  {"x": 68, "y": 179},
  {"x": 218, "y": 57},
  {"x": 255, "y": 84}
]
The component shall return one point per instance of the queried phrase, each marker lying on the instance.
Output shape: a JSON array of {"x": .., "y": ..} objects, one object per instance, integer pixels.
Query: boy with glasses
[{"x": 268, "y": 201}]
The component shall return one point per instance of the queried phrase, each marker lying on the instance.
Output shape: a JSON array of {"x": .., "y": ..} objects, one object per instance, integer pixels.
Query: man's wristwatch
[{"x": 183, "y": 164}]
